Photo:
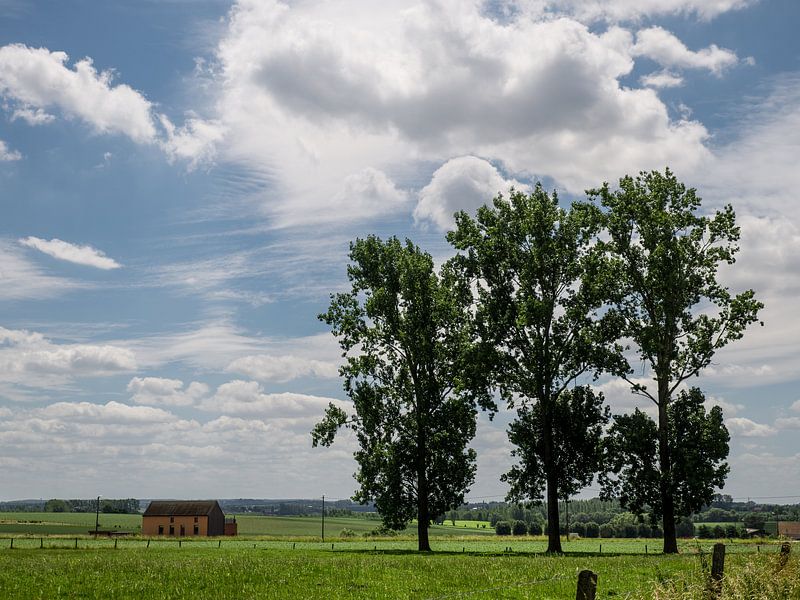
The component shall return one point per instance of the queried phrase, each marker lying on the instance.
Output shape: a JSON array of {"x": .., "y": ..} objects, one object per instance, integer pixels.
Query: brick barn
[
  {"x": 786, "y": 529},
  {"x": 186, "y": 519}
]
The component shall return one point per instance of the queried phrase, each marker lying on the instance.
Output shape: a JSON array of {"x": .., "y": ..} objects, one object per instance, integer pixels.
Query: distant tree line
[
  {"x": 107, "y": 505},
  {"x": 538, "y": 302}
]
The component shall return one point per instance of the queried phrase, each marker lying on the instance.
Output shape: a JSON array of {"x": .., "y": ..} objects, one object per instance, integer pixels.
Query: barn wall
[{"x": 150, "y": 525}]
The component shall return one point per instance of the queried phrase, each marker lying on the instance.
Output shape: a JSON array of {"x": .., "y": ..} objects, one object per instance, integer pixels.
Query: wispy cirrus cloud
[
  {"x": 80, "y": 255},
  {"x": 21, "y": 279},
  {"x": 7, "y": 154}
]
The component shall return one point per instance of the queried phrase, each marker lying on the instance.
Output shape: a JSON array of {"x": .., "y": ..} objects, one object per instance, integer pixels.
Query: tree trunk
[
  {"x": 553, "y": 525},
  {"x": 423, "y": 514},
  {"x": 665, "y": 466}
]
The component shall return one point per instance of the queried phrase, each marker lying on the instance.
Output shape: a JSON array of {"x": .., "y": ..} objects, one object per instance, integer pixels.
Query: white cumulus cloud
[
  {"x": 39, "y": 79},
  {"x": 741, "y": 426},
  {"x": 314, "y": 96},
  {"x": 281, "y": 368},
  {"x": 35, "y": 81},
  {"x": 159, "y": 391},
  {"x": 667, "y": 50},
  {"x": 662, "y": 79},
  {"x": 462, "y": 183},
  {"x": 81, "y": 255},
  {"x": 28, "y": 358},
  {"x": 32, "y": 116},
  {"x": 243, "y": 398}
]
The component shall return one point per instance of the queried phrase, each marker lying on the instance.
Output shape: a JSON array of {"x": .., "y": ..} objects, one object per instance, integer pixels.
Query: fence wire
[{"x": 504, "y": 587}]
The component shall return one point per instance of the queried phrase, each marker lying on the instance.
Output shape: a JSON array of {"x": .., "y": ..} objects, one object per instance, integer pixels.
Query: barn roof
[{"x": 180, "y": 508}]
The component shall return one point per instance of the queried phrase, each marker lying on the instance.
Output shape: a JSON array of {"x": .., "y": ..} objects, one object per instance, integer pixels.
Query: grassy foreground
[{"x": 356, "y": 570}]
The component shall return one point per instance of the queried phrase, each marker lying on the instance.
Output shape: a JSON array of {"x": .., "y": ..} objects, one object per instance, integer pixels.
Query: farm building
[
  {"x": 787, "y": 529},
  {"x": 186, "y": 518}
]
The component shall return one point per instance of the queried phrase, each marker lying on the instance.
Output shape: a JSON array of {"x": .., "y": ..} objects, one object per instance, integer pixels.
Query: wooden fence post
[
  {"x": 41, "y": 542},
  {"x": 587, "y": 586},
  {"x": 714, "y": 587},
  {"x": 148, "y": 543},
  {"x": 115, "y": 543},
  {"x": 786, "y": 548},
  {"x": 12, "y": 543},
  {"x": 76, "y": 543}
]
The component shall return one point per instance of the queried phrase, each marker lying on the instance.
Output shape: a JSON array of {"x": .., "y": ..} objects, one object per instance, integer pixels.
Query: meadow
[
  {"x": 44, "y": 523},
  {"x": 283, "y": 557},
  {"x": 363, "y": 569}
]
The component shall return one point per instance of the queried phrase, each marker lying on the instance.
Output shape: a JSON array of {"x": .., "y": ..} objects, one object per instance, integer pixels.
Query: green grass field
[
  {"x": 283, "y": 557},
  {"x": 352, "y": 570}
]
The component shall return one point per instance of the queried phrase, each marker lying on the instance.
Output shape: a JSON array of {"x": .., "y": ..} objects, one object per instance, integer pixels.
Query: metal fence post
[{"x": 587, "y": 586}]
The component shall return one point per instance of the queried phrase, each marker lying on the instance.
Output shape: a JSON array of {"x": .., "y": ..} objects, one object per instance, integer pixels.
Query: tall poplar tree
[
  {"x": 406, "y": 334},
  {"x": 671, "y": 303},
  {"x": 542, "y": 282}
]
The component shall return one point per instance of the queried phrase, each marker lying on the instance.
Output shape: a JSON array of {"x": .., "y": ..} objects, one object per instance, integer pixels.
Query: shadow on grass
[{"x": 408, "y": 552}]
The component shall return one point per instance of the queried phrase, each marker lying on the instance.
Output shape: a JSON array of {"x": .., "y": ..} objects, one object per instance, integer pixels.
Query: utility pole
[
  {"x": 323, "y": 517},
  {"x": 97, "y": 518}
]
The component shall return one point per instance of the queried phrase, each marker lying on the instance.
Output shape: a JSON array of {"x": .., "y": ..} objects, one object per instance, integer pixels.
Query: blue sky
[{"x": 179, "y": 182}]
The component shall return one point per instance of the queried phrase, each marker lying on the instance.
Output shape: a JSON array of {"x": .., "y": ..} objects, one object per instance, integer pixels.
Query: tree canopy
[
  {"x": 541, "y": 282},
  {"x": 669, "y": 299},
  {"x": 699, "y": 443},
  {"x": 407, "y": 337}
]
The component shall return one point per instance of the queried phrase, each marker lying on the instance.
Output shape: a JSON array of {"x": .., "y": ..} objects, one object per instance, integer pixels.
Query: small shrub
[
  {"x": 347, "y": 533},
  {"x": 592, "y": 530},
  {"x": 502, "y": 528},
  {"x": 607, "y": 530},
  {"x": 519, "y": 528},
  {"x": 535, "y": 528}
]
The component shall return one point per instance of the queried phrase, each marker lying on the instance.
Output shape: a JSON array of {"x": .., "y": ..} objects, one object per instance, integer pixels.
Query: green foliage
[
  {"x": 607, "y": 530},
  {"x": 699, "y": 444},
  {"x": 592, "y": 530},
  {"x": 541, "y": 283},
  {"x": 577, "y": 420},
  {"x": 56, "y": 505},
  {"x": 502, "y": 528},
  {"x": 519, "y": 528},
  {"x": 673, "y": 308},
  {"x": 406, "y": 334}
]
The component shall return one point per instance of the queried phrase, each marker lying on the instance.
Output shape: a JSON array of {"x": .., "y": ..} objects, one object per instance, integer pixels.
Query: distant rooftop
[{"x": 180, "y": 508}]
